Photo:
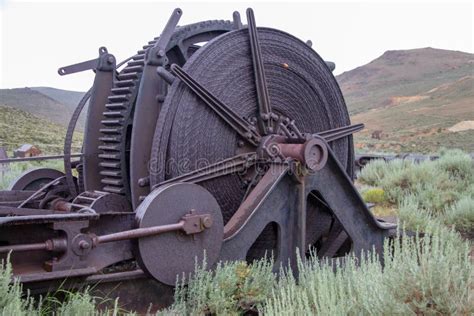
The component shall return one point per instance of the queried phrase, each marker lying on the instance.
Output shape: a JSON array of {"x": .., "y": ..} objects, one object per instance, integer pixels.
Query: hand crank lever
[{"x": 105, "y": 62}]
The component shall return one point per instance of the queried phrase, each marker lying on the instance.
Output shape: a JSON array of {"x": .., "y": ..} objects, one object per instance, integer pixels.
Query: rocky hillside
[
  {"x": 67, "y": 97},
  {"x": 413, "y": 100},
  {"x": 51, "y": 104}
]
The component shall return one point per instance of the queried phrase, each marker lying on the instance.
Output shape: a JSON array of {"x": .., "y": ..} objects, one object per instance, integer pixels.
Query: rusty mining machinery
[{"x": 216, "y": 139}]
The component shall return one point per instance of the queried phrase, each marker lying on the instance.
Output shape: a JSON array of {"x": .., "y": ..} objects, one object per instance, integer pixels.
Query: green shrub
[
  {"x": 374, "y": 195},
  {"x": 421, "y": 276},
  {"x": 430, "y": 188},
  {"x": 412, "y": 217},
  {"x": 77, "y": 304},
  {"x": 231, "y": 289},
  {"x": 461, "y": 214},
  {"x": 457, "y": 164},
  {"x": 374, "y": 171},
  {"x": 431, "y": 274},
  {"x": 11, "y": 300},
  {"x": 424, "y": 276},
  {"x": 14, "y": 302}
]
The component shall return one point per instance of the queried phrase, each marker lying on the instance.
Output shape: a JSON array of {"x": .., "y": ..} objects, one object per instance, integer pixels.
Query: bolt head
[
  {"x": 207, "y": 222},
  {"x": 110, "y": 60},
  {"x": 84, "y": 244}
]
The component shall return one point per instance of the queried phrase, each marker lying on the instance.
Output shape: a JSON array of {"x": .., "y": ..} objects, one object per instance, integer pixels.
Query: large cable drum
[{"x": 301, "y": 87}]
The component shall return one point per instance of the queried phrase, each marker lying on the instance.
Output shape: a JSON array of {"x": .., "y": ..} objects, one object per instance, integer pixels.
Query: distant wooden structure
[
  {"x": 377, "y": 134},
  {"x": 27, "y": 150}
]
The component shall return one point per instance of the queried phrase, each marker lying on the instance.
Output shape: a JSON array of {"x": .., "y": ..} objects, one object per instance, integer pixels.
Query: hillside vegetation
[
  {"x": 417, "y": 100},
  {"x": 441, "y": 190},
  {"x": 18, "y": 127}
]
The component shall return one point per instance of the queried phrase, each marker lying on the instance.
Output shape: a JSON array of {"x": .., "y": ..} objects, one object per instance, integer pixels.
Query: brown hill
[
  {"x": 54, "y": 105},
  {"x": 409, "y": 99}
]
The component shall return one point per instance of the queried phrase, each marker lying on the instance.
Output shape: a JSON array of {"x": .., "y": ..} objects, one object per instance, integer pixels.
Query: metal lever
[
  {"x": 157, "y": 54},
  {"x": 264, "y": 107},
  {"x": 105, "y": 62},
  {"x": 241, "y": 126},
  {"x": 341, "y": 132}
]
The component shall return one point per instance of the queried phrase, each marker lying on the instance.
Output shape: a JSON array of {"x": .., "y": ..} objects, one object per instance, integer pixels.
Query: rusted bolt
[
  {"x": 207, "y": 222},
  {"x": 84, "y": 244},
  {"x": 285, "y": 65},
  {"x": 273, "y": 150},
  {"x": 143, "y": 182}
]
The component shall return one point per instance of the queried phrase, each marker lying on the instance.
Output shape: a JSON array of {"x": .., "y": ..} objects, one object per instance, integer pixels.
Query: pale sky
[{"x": 38, "y": 37}]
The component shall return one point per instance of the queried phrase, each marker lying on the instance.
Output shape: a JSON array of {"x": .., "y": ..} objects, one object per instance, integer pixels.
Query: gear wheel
[{"x": 117, "y": 125}]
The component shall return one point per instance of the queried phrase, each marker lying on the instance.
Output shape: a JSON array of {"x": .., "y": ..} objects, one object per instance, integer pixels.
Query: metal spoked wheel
[{"x": 190, "y": 133}]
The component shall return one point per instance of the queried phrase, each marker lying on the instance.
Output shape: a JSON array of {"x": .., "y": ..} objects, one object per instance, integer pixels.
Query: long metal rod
[
  {"x": 264, "y": 108},
  {"x": 139, "y": 233},
  {"x": 116, "y": 276},
  {"x": 25, "y": 247},
  {"x": 39, "y": 191},
  {"x": 37, "y": 158},
  {"x": 224, "y": 167},
  {"x": 125, "y": 235},
  {"x": 341, "y": 132}
]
